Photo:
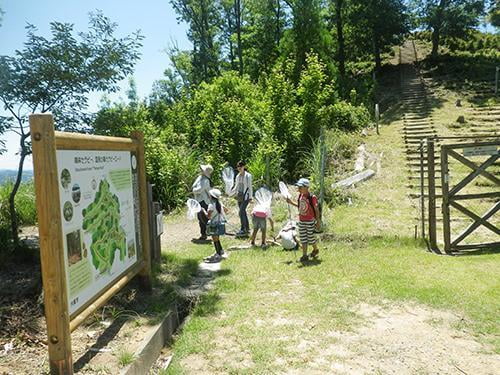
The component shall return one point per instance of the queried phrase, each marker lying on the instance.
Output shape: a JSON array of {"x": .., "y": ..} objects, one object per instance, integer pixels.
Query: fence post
[
  {"x": 432, "y": 193},
  {"x": 322, "y": 172},
  {"x": 445, "y": 207},
  {"x": 496, "y": 79},
  {"x": 377, "y": 117},
  {"x": 267, "y": 172},
  {"x": 422, "y": 192}
]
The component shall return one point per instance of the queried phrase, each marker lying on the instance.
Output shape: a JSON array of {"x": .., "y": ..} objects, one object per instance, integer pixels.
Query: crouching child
[{"x": 288, "y": 236}]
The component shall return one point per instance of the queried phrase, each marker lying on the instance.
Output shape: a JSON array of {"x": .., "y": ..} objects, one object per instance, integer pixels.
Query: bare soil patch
[{"x": 395, "y": 339}]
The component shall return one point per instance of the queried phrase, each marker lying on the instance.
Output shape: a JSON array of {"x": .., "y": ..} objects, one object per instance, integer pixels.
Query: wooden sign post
[{"x": 80, "y": 238}]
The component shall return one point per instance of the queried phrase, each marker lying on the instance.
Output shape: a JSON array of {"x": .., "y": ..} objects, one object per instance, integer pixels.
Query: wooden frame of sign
[{"x": 69, "y": 269}]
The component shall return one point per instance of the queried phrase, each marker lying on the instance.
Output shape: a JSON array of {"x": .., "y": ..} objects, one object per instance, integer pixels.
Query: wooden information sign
[{"x": 92, "y": 209}]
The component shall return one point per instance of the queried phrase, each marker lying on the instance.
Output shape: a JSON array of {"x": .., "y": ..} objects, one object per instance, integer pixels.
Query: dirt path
[{"x": 395, "y": 339}]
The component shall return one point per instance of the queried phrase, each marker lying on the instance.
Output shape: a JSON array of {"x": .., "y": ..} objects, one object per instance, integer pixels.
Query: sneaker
[
  {"x": 264, "y": 246},
  {"x": 304, "y": 258},
  {"x": 214, "y": 259},
  {"x": 314, "y": 254},
  {"x": 224, "y": 255},
  {"x": 210, "y": 256}
]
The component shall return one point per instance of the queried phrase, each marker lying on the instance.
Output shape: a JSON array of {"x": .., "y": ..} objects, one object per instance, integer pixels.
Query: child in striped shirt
[{"x": 309, "y": 218}]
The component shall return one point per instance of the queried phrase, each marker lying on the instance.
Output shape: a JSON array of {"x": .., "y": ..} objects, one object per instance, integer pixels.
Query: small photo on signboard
[
  {"x": 65, "y": 178},
  {"x": 68, "y": 211},
  {"x": 76, "y": 193},
  {"x": 74, "y": 243}
]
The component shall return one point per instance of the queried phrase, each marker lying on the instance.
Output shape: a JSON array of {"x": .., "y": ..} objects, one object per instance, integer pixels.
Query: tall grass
[
  {"x": 25, "y": 209},
  {"x": 340, "y": 151},
  {"x": 25, "y": 202}
]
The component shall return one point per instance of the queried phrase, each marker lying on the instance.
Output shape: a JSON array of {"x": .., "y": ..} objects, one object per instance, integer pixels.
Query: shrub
[
  {"x": 225, "y": 118},
  {"x": 170, "y": 164},
  {"x": 285, "y": 115},
  {"x": 345, "y": 116},
  {"x": 172, "y": 171},
  {"x": 266, "y": 163}
]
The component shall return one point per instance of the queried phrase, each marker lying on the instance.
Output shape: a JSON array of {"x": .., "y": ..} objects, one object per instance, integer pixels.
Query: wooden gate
[{"x": 470, "y": 196}]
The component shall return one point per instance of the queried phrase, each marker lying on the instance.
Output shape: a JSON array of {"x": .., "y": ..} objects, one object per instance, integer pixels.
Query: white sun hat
[
  {"x": 206, "y": 168},
  {"x": 216, "y": 193}
]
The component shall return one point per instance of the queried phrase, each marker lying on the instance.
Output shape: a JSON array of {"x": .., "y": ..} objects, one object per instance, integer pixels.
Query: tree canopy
[
  {"x": 448, "y": 17},
  {"x": 55, "y": 75}
]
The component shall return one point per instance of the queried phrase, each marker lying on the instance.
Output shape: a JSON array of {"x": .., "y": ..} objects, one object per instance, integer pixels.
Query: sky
[{"x": 155, "y": 18}]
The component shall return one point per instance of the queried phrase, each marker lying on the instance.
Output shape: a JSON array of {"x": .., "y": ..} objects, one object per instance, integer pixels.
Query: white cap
[{"x": 304, "y": 182}]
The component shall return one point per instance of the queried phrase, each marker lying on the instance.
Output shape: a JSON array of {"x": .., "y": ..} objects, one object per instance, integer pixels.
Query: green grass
[
  {"x": 265, "y": 305},
  {"x": 125, "y": 357},
  {"x": 25, "y": 202}
]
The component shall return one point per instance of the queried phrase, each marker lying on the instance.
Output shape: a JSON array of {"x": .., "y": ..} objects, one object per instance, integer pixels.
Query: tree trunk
[
  {"x": 277, "y": 37},
  {"x": 237, "y": 13},
  {"x": 376, "y": 53},
  {"x": 436, "y": 27},
  {"x": 435, "y": 41},
  {"x": 340, "y": 37},
  {"x": 14, "y": 224}
]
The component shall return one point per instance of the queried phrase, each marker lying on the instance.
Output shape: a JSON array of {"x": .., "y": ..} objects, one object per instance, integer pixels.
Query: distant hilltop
[{"x": 10, "y": 174}]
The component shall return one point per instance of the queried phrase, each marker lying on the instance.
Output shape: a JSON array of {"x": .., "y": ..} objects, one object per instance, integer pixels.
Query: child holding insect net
[
  {"x": 260, "y": 214},
  {"x": 309, "y": 218},
  {"x": 216, "y": 225}
]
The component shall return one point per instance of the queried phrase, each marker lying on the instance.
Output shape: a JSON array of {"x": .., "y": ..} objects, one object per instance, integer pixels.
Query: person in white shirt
[
  {"x": 244, "y": 192},
  {"x": 201, "y": 192},
  {"x": 288, "y": 236}
]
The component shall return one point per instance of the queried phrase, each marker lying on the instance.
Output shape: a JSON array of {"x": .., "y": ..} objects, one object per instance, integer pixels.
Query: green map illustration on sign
[{"x": 102, "y": 219}]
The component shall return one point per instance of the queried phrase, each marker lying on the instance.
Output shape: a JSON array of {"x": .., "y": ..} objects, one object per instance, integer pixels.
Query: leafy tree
[
  {"x": 339, "y": 28},
  {"x": 308, "y": 33},
  {"x": 285, "y": 114},
  {"x": 448, "y": 18},
  {"x": 314, "y": 93},
  {"x": 203, "y": 18},
  {"x": 266, "y": 22},
  {"x": 494, "y": 13},
  {"x": 223, "y": 119},
  {"x": 56, "y": 75},
  {"x": 379, "y": 24}
]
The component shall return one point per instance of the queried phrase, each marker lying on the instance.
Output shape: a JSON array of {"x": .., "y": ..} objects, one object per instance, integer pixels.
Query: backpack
[{"x": 310, "y": 199}]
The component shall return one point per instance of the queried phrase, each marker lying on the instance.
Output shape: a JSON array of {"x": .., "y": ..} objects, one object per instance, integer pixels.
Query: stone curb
[
  {"x": 161, "y": 334},
  {"x": 152, "y": 345}
]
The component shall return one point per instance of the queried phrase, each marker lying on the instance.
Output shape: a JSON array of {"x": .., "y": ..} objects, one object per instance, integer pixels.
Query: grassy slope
[{"x": 265, "y": 305}]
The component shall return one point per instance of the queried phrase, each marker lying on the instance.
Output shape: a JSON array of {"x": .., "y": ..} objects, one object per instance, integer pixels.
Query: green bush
[
  {"x": 25, "y": 203},
  {"x": 172, "y": 171},
  {"x": 225, "y": 119},
  {"x": 170, "y": 164},
  {"x": 25, "y": 209},
  {"x": 266, "y": 163},
  {"x": 345, "y": 116},
  {"x": 285, "y": 115}
]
